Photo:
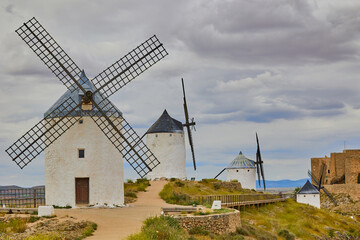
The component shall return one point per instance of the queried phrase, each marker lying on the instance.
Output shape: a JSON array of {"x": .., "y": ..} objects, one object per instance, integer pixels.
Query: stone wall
[
  {"x": 352, "y": 189},
  {"x": 215, "y": 223}
]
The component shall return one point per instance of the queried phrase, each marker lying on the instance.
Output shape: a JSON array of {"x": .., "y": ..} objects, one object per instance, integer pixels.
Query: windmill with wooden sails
[{"x": 84, "y": 135}]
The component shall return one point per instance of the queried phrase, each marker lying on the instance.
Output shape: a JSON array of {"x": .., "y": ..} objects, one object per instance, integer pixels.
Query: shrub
[
  {"x": 179, "y": 184},
  {"x": 296, "y": 190},
  {"x": 130, "y": 194},
  {"x": 234, "y": 180},
  {"x": 172, "y": 179},
  {"x": 129, "y": 181},
  {"x": 286, "y": 234},
  {"x": 162, "y": 228}
]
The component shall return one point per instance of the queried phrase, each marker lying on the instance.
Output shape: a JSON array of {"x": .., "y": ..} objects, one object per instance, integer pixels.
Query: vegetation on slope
[
  {"x": 291, "y": 219},
  {"x": 179, "y": 192},
  {"x": 131, "y": 188},
  {"x": 283, "y": 220}
]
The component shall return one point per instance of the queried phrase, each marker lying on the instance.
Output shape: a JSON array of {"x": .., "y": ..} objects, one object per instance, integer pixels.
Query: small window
[
  {"x": 248, "y": 170},
  {"x": 329, "y": 171},
  {"x": 81, "y": 121},
  {"x": 156, "y": 135},
  {"x": 81, "y": 153},
  {"x": 170, "y": 134},
  {"x": 304, "y": 195},
  {"x": 237, "y": 170}
]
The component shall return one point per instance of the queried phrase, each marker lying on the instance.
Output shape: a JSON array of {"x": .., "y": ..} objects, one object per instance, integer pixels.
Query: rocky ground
[
  {"x": 345, "y": 205},
  {"x": 24, "y": 226}
]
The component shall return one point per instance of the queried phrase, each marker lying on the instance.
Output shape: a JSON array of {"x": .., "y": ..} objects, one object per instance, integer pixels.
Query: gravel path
[{"x": 119, "y": 223}]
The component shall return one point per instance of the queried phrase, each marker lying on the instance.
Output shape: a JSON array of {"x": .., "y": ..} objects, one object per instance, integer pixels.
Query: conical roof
[
  {"x": 241, "y": 162},
  {"x": 308, "y": 188},
  {"x": 75, "y": 94},
  {"x": 166, "y": 124}
]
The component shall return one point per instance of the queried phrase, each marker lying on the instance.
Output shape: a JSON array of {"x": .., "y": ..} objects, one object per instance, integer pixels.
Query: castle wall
[
  {"x": 352, "y": 166},
  {"x": 169, "y": 149},
  {"x": 245, "y": 176},
  {"x": 353, "y": 190},
  {"x": 103, "y": 165}
]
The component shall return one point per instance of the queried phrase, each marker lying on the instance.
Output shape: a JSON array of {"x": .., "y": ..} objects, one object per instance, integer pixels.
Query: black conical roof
[
  {"x": 308, "y": 188},
  {"x": 166, "y": 124}
]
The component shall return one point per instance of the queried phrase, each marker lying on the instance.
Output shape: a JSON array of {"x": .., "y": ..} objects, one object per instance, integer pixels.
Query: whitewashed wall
[
  {"x": 169, "y": 149},
  {"x": 246, "y": 176},
  {"x": 311, "y": 199},
  {"x": 103, "y": 165}
]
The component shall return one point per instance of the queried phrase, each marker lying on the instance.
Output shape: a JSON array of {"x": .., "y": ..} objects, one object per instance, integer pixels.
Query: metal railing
[
  {"x": 22, "y": 197},
  {"x": 208, "y": 199}
]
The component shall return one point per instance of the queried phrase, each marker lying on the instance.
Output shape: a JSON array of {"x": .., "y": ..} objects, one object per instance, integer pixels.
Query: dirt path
[{"x": 121, "y": 222}]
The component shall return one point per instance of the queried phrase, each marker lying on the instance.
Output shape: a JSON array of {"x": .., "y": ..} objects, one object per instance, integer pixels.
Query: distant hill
[
  {"x": 16, "y": 187},
  {"x": 283, "y": 183}
]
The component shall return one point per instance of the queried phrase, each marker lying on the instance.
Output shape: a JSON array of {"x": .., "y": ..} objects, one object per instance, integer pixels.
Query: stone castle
[{"x": 340, "y": 168}]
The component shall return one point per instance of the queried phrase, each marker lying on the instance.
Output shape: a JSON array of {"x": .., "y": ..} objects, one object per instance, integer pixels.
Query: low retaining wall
[
  {"x": 216, "y": 223},
  {"x": 352, "y": 189}
]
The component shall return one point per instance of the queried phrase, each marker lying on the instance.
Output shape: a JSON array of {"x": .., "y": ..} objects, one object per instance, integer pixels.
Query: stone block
[
  {"x": 46, "y": 211},
  {"x": 216, "y": 205}
]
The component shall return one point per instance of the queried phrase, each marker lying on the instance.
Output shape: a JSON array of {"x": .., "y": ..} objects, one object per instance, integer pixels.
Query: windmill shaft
[
  {"x": 116, "y": 76},
  {"x": 47, "y": 130},
  {"x": 62, "y": 66},
  {"x": 119, "y": 132}
]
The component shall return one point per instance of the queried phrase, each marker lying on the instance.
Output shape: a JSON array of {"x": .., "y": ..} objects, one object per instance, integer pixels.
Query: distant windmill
[
  {"x": 243, "y": 169},
  {"x": 166, "y": 140},
  {"x": 81, "y": 158},
  {"x": 319, "y": 182}
]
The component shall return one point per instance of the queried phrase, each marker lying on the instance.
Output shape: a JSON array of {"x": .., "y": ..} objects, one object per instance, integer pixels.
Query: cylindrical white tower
[
  {"x": 165, "y": 138},
  {"x": 82, "y": 167},
  {"x": 243, "y": 170}
]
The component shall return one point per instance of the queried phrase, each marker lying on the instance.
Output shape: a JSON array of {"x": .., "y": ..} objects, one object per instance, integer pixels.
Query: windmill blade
[
  {"x": 219, "y": 173},
  {"x": 188, "y": 124},
  {"x": 331, "y": 198},
  {"x": 130, "y": 66},
  {"x": 33, "y": 142},
  {"x": 260, "y": 162},
  {"x": 323, "y": 168},
  {"x": 191, "y": 146},
  {"x": 124, "y": 138},
  {"x": 49, "y": 51},
  {"x": 314, "y": 179}
]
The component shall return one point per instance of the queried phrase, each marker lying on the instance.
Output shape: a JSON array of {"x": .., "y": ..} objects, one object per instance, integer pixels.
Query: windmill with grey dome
[
  {"x": 243, "y": 170},
  {"x": 84, "y": 135},
  {"x": 165, "y": 138}
]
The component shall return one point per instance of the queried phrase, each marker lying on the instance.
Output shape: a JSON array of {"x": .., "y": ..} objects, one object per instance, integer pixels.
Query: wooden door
[{"x": 82, "y": 190}]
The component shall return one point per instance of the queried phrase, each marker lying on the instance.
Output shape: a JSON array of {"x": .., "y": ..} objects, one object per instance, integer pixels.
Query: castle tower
[
  {"x": 243, "y": 170},
  {"x": 82, "y": 167},
  {"x": 165, "y": 138}
]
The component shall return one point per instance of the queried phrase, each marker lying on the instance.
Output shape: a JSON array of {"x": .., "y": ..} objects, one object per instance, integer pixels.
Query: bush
[
  {"x": 179, "y": 184},
  {"x": 286, "y": 234},
  {"x": 172, "y": 179},
  {"x": 129, "y": 181},
  {"x": 160, "y": 228},
  {"x": 130, "y": 194}
]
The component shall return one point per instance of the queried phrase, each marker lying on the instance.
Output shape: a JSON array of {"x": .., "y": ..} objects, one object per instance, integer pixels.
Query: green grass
[
  {"x": 179, "y": 192},
  {"x": 15, "y": 225},
  {"x": 131, "y": 188},
  {"x": 160, "y": 228}
]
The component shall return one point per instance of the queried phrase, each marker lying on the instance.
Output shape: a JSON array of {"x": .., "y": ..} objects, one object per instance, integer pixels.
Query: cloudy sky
[{"x": 287, "y": 69}]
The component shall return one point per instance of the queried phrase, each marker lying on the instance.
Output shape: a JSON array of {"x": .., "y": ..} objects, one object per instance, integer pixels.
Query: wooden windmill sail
[{"x": 102, "y": 111}]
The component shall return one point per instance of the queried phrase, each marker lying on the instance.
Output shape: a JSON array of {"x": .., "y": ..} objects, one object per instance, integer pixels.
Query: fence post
[{"x": 34, "y": 198}]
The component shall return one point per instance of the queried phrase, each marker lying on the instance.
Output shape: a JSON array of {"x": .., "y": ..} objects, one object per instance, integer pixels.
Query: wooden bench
[{"x": 167, "y": 210}]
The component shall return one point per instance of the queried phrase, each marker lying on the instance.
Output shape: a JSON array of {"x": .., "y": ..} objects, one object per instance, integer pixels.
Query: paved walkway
[{"x": 119, "y": 223}]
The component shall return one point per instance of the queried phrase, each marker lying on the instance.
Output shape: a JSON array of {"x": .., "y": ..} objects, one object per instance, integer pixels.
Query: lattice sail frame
[
  {"x": 45, "y": 132},
  {"x": 107, "y": 82}
]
